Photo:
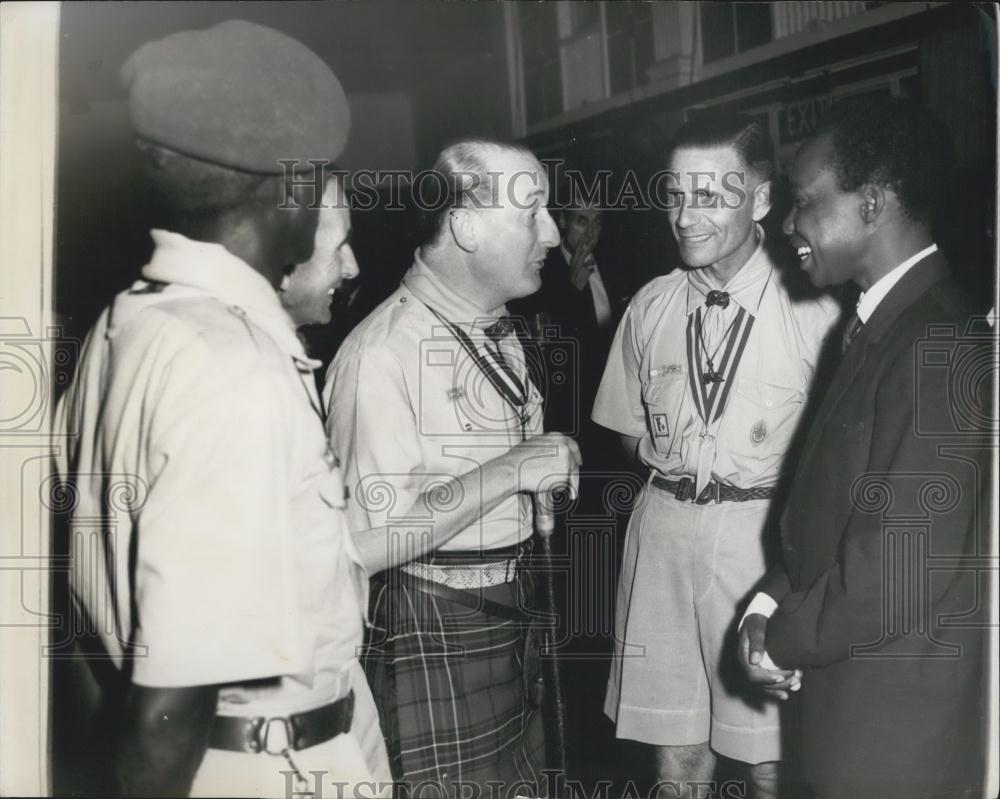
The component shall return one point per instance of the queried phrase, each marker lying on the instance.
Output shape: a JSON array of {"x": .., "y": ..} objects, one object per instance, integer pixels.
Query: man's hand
[
  {"x": 541, "y": 464},
  {"x": 582, "y": 262},
  {"x": 546, "y": 462},
  {"x": 751, "y": 652}
]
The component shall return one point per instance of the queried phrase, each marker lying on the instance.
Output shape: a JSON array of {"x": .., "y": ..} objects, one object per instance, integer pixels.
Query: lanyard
[
  {"x": 704, "y": 384},
  {"x": 496, "y": 369}
]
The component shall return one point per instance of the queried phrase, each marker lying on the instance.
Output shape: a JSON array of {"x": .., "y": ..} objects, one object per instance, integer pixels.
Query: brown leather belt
[
  {"x": 272, "y": 735},
  {"x": 684, "y": 489}
]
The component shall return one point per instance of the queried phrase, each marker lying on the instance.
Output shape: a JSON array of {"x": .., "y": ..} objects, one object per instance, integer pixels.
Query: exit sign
[{"x": 799, "y": 119}]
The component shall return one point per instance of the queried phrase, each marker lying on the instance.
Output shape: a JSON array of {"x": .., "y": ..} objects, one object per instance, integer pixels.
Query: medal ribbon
[
  {"x": 494, "y": 367},
  {"x": 706, "y": 392}
]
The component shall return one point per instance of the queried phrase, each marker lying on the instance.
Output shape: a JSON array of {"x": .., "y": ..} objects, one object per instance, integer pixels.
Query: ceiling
[{"x": 372, "y": 46}]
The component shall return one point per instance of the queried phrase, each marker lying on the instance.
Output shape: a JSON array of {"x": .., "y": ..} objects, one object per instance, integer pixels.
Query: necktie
[
  {"x": 720, "y": 298},
  {"x": 854, "y": 326},
  {"x": 500, "y": 329}
]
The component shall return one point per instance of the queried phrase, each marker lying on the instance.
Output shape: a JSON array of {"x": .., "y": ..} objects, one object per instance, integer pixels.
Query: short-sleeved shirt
[
  {"x": 763, "y": 343},
  {"x": 410, "y": 408},
  {"x": 209, "y": 540}
]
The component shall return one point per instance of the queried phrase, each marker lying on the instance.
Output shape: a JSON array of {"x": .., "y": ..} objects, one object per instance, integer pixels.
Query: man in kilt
[{"x": 432, "y": 385}]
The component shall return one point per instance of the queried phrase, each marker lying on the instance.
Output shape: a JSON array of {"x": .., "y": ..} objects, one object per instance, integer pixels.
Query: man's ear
[
  {"x": 761, "y": 200},
  {"x": 873, "y": 201},
  {"x": 462, "y": 224}
]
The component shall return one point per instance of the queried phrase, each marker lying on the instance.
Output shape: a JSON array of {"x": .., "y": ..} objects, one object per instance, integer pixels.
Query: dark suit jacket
[
  {"x": 887, "y": 507},
  {"x": 574, "y": 349}
]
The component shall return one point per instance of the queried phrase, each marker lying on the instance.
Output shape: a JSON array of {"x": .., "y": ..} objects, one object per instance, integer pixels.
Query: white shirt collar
[
  {"x": 746, "y": 287},
  {"x": 211, "y": 268},
  {"x": 869, "y": 300}
]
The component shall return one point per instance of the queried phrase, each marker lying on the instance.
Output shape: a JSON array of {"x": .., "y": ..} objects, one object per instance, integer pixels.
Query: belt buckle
[
  {"x": 684, "y": 490},
  {"x": 285, "y": 727},
  {"x": 348, "y": 717},
  {"x": 709, "y": 493}
]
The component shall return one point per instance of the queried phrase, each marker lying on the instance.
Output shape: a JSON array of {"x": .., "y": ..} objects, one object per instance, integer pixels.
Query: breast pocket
[
  {"x": 663, "y": 395},
  {"x": 763, "y": 419}
]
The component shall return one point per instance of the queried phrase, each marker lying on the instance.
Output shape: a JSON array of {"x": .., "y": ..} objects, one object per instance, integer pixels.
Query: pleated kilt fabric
[{"x": 452, "y": 686}]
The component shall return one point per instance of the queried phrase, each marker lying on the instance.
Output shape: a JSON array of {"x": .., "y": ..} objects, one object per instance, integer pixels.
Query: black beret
[{"x": 238, "y": 94}]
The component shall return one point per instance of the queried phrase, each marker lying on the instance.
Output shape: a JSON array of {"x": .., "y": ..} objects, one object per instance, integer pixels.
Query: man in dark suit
[
  {"x": 574, "y": 314},
  {"x": 878, "y": 598}
]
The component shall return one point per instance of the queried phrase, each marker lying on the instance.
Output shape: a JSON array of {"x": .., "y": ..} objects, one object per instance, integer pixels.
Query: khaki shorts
[{"x": 687, "y": 573}]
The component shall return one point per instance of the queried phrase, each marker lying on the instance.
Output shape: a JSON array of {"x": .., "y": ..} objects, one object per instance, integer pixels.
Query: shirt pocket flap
[
  {"x": 660, "y": 381},
  {"x": 769, "y": 396}
]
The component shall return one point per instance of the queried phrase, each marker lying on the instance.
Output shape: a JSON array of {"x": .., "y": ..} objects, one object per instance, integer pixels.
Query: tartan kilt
[{"x": 452, "y": 688}]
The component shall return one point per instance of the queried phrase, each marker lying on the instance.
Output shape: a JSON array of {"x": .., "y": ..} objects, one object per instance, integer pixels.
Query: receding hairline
[
  {"x": 488, "y": 153},
  {"x": 483, "y": 147}
]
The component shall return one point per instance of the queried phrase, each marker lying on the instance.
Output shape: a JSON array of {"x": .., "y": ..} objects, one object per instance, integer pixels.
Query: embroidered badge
[
  {"x": 660, "y": 428},
  {"x": 455, "y": 394},
  {"x": 758, "y": 432}
]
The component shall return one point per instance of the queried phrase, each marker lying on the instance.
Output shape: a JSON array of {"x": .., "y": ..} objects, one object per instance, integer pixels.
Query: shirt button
[{"x": 402, "y": 299}]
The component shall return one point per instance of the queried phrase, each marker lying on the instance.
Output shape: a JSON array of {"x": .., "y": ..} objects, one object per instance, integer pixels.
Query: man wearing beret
[{"x": 220, "y": 581}]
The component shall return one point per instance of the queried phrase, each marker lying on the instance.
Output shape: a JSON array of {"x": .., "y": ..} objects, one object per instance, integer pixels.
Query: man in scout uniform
[
  {"x": 431, "y": 385},
  {"x": 705, "y": 383},
  {"x": 220, "y": 579},
  {"x": 307, "y": 289},
  {"x": 887, "y": 519}
]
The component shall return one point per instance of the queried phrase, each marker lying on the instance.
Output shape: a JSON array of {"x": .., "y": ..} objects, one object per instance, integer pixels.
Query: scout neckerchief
[
  {"x": 493, "y": 365},
  {"x": 705, "y": 380},
  {"x": 710, "y": 376},
  {"x": 713, "y": 361}
]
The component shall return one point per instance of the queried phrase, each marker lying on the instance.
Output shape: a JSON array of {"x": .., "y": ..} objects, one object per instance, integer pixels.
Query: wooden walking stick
[{"x": 552, "y": 706}]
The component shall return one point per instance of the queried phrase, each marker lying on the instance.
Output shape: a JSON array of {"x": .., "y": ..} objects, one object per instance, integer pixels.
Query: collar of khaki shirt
[
  {"x": 211, "y": 268},
  {"x": 436, "y": 294},
  {"x": 746, "y": 287}
]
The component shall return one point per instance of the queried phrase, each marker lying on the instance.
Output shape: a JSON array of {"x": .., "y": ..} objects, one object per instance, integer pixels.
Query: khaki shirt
[
  {"x": 648, "y": 392},
  {"x": 409, "y": 408},
  {"x": 209, "y": 540}
]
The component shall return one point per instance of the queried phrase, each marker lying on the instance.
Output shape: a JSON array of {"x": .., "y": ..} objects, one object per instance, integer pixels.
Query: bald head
[{"x": 463, "y": 176}]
